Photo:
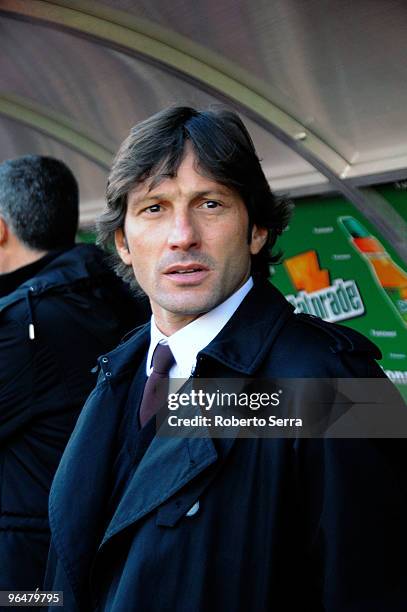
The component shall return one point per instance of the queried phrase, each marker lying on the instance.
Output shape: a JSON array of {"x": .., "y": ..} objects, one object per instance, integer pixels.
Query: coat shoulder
[
  {"x": 339, "y": 337},
  {"x": 310, "y": 346}
]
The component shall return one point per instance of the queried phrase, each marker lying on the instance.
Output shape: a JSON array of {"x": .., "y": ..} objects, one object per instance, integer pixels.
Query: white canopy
[{"x": 321, "y": 84}]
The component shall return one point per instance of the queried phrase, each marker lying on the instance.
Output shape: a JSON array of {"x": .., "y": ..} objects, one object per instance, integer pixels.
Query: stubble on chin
[{"x": 190, "y": 305}]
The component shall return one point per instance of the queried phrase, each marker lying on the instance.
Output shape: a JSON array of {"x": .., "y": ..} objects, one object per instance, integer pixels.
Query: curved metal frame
[
  {"x": 189, "y": 61},
  {"x": 56, "y": 126},
  {"x": 205, "y": 69}
]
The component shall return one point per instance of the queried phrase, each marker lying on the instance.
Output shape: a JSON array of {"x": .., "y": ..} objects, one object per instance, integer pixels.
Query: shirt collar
[{"x": 188, "y": 341}]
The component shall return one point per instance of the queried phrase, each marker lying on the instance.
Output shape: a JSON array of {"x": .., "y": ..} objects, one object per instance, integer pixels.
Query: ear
[
  {"x": 258, "y": 239},
  {"x": 122, "y": 247},
  {"x": 3, "y": 231}
]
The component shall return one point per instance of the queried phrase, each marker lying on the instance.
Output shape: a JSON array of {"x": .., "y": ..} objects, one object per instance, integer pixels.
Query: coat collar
[
  {"x": 241, "y": 345},
  {"x": 248, "y": 336},
  {"x": 121, "y": 360}
]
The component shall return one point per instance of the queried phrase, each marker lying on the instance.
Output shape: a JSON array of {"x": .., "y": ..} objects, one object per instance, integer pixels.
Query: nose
[{"x": 184, "y": 232}]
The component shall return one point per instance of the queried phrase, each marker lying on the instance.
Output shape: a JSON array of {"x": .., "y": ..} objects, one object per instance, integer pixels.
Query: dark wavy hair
[{"x": 225, "y": 153}]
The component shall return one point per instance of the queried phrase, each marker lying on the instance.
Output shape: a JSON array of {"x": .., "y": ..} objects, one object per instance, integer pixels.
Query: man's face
[{"x": 186, "y": 240}]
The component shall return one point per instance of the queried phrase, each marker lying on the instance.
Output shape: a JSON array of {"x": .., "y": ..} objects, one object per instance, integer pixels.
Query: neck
[{"x": 170, "y": 324}]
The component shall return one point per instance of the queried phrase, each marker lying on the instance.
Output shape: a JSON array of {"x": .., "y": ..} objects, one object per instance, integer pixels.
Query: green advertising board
[
  {"x": 338, "y": 267},
  {"x": 396, "y": 195}
]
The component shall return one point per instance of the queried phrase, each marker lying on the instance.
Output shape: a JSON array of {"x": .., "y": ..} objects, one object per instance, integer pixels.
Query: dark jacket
[
  {"x": 52, "y": 328},
  {"x": 282, "y": 524}
]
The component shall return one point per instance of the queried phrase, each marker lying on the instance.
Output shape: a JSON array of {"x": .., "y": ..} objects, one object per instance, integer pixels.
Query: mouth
[
  {"x": 190, "y": 268},
  {"x": 193, "y": 273}
]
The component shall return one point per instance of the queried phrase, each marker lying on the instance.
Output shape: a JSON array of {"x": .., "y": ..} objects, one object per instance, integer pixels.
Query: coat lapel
[{"x": 168, "y": 465}]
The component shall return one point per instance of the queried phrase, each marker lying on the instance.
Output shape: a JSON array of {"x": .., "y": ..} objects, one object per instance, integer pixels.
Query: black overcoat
[
  {"x": 244, "y": 525},
  {"x": 52, "y": 329}
]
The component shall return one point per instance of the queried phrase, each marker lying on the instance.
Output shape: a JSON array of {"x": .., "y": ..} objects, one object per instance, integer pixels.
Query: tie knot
[{"x": 163, "y": 359}]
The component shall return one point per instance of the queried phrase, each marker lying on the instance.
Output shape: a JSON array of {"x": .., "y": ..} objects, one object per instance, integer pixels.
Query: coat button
[
  {"x": 104, "y": 360},
  {"x": 194, "y": 509},
  {"x": 108, "y": 373}
]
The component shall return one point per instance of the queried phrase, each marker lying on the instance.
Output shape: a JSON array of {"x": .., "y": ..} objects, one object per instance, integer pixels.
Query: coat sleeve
[
  {"x": 353, "y": 493},
  {"x": 354, "y": 497},
  {"x": 56, "y": 580}
]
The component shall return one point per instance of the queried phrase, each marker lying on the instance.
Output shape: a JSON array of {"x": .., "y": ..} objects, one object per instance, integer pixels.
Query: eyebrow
[{"x": 193, "y": 196}]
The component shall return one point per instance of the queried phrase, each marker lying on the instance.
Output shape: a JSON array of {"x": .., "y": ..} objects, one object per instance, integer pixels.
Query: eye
[
  {"x": 211, "y": 204},
  {"x": 154, "y": 208}
]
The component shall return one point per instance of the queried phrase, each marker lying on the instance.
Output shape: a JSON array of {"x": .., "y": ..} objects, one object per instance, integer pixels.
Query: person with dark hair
[
  {"x": 229, "y": 159},
  {"x": 60, "y": 307},
  {"x": 191, "y": 523},
  {"x": 39, "y": 199}
]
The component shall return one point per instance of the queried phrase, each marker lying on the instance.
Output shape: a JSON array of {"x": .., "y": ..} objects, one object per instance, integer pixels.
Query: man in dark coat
[
  {"x": 182, "y": 524},
  {"x": 60, "y": 307}
]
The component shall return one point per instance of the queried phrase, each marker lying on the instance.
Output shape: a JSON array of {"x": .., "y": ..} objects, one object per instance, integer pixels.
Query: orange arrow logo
[{"x": 305, "y": 272}]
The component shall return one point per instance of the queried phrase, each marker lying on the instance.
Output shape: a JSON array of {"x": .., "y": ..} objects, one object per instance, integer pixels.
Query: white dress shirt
[{"x": 186, "y": 343}]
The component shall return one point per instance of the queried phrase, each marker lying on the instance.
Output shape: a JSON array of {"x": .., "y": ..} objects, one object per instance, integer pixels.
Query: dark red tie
[{"x": 156, "y": 389}]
